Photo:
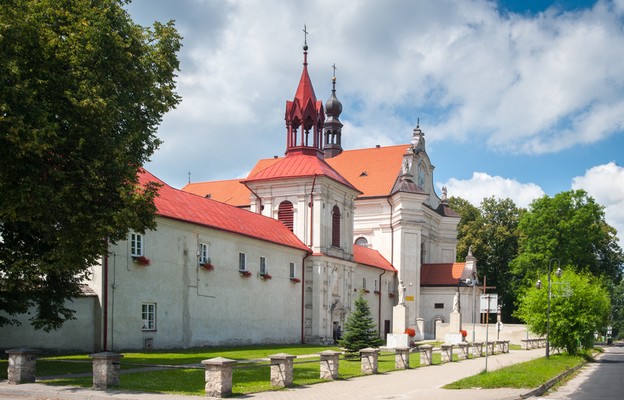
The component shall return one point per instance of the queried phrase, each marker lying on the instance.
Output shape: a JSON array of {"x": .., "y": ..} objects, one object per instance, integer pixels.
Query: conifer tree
[{"x": 360, "y": 331}]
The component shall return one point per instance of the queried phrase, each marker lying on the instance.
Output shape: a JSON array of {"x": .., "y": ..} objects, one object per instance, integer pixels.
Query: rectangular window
[
  {"x": 375, "y": 285},
  {"x": 438, "y": 305},
  {"x": 292, "y": 270},
  {"x": 203, "y": 256},
  {"x": 263, "y": 268},
  {"x": 364, "y": 283},
  {"x": 136, "y": 244},
  {"x": 242, "y": 262},
  {"x": 148, "y": 314}
]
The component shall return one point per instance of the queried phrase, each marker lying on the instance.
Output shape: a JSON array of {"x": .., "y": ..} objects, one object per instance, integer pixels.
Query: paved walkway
[{"x": 419, "y": 383}]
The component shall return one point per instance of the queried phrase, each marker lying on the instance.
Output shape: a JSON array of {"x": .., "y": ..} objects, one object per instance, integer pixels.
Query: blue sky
[{"x": 517, "y": 98}]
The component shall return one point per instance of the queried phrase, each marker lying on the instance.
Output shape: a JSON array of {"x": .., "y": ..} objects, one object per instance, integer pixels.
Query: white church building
[{"x": 280, "y": 256}]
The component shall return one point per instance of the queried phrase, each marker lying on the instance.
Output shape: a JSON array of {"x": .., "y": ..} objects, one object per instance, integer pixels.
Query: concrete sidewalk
[{"x": 419, "y": 383}]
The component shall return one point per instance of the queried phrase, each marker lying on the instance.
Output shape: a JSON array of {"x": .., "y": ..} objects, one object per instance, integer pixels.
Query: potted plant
[
  {"x": 245, "y": 274},
  {"x": 265, "y": 276},
  {"x": 207, "y": 265},
  {"x": 295, "y": 280}
]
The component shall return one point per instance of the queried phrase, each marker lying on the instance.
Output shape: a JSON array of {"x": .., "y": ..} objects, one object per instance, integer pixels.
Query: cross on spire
[
  {"x": 334, "y": 68},
  {"x": 305, "y": 36}
]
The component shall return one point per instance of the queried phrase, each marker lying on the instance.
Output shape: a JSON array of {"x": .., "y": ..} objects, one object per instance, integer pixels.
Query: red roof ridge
[{"x": 196, "y": 209}]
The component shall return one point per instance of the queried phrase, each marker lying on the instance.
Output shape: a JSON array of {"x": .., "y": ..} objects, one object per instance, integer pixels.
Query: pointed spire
[{"x": 304, "y": 114}]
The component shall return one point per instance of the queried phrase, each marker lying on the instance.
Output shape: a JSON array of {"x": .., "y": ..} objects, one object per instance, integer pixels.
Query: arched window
[
  {"x": 361, "y": 241},
  {"x": 285, "y": 214},
  {"x": 335, "y": 227}
]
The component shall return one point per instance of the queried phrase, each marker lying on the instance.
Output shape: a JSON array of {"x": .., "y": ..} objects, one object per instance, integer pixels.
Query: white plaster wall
[
  {"x": 197, "y": 307},
  {"x": 445, "y": 295},
  {"x": 74, "y": 335}
]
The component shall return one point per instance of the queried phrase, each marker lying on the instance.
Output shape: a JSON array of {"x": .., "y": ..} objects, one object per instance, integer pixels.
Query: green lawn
[
  {"x": 529, "y": 374},
  {"x": 254, "y": 375}
]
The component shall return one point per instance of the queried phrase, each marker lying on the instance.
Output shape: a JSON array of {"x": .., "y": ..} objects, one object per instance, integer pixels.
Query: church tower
[
  {"x": 304, "y": 116},
  {"x": 333, "y": 126}
]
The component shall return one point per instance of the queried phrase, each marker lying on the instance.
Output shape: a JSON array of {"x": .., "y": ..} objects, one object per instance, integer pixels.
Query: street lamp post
[{"x": 539, "y": 286}]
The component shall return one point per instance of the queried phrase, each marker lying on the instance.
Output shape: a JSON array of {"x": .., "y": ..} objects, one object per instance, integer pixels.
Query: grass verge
[{"x": 529, "y": 374}]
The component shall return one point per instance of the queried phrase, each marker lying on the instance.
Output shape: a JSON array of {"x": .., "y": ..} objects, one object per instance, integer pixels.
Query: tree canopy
[
  {"x": 82, "y": 92},
  {"x": 579, "y": 307},
  {"x": 491, "y": 230},
  {"x": 570, "y": 227}
]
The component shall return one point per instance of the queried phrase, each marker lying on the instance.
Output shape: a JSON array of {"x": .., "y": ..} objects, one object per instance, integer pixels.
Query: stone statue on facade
[
  {"x": 401, "y": 293},
  {"x": 456, "y": 302}
]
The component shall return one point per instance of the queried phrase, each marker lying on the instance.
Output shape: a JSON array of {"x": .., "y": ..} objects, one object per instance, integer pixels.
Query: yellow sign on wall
[{"x": 409, "y": 298}]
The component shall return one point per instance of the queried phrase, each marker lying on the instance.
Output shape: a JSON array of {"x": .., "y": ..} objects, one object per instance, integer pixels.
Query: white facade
[{"x": 196, "y": 307}]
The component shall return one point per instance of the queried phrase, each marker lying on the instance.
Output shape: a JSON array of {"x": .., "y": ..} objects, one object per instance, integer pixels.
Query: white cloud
[
  {"x": 482, "y": 185},
  {"x": 515, "y": 83},
  {"x": 605, "y": 183}
]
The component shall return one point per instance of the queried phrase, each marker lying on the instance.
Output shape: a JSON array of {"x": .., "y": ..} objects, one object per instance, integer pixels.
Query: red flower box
[
  {"x": 206, "y": 266},
  {"x": 295, "y": 280},
  {"x": 265, "y": 276},
  {"x": 142, "y": 261},
  {"x": 245, "y": 274}
]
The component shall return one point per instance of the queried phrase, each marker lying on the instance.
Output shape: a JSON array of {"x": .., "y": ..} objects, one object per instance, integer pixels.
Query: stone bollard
[
  {"x": 401, "y": 358},
  {"x": 281, "y": 369},
  {"x": 329, "y": 364},
  {"x": 477, "y": 349},
  {"x": 462, "y": 354},
  {"x": 446, "y": 351},
  {"x": 218, "y": 376},
  {"x": 22, "y": 365},
  {"x": 425, "y": 354},
  {"x": 369, "y": 357},
  {"x": 105, "y": 369}
]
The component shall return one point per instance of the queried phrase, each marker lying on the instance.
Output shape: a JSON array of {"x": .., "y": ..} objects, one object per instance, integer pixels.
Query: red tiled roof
[
  {"x": 297, "y": 165},
  {"x": 373, "y": 171},
  {"x": 442, "y": 274},
  {"x": 372, "y": 258},
  {"x": 230, "y": 192},
  {"x": 183, "y": 206}
]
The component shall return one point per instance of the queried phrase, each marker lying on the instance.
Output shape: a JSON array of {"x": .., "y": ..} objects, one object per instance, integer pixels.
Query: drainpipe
[
  {"x": 303, "y": 297},
  {"x": 380, "y": 294},
  {"x": 105, "y": 299},
  {"x": 257, "y": 197}
]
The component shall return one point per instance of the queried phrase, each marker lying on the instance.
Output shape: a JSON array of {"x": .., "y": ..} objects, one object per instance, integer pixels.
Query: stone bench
[
  {"x": 476, "y": 349},
  {"x": 401, "y": 358},
  {"x": 462, "y": 354},
  {"x": 446, "y": 352},
  {"x": 426, "y": 350},
  {"x": 528, "y": 344}
]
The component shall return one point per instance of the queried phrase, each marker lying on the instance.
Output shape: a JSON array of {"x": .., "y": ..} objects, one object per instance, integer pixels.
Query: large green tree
[
  {"x": 571, "y": 228},
  {"x": 360, "y": 331},
  {"x": 82, "y": 92},
  {"x": 579, "y": 307},
  {"x": 491, "y": 231}
]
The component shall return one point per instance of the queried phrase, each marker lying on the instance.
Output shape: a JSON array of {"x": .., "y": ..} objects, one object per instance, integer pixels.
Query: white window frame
[
  {"x": 242, "y": 262},
  {"x": 148, "y": 316},
  {"x": 137, "y": 244},
  {"x": 263, "y": 266},
  {"x": 203, "y": 253},
  {"x": 293, "y": 270}
]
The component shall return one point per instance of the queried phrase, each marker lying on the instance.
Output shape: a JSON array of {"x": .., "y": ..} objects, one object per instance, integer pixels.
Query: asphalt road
[{"x": 601, "y": 380}]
